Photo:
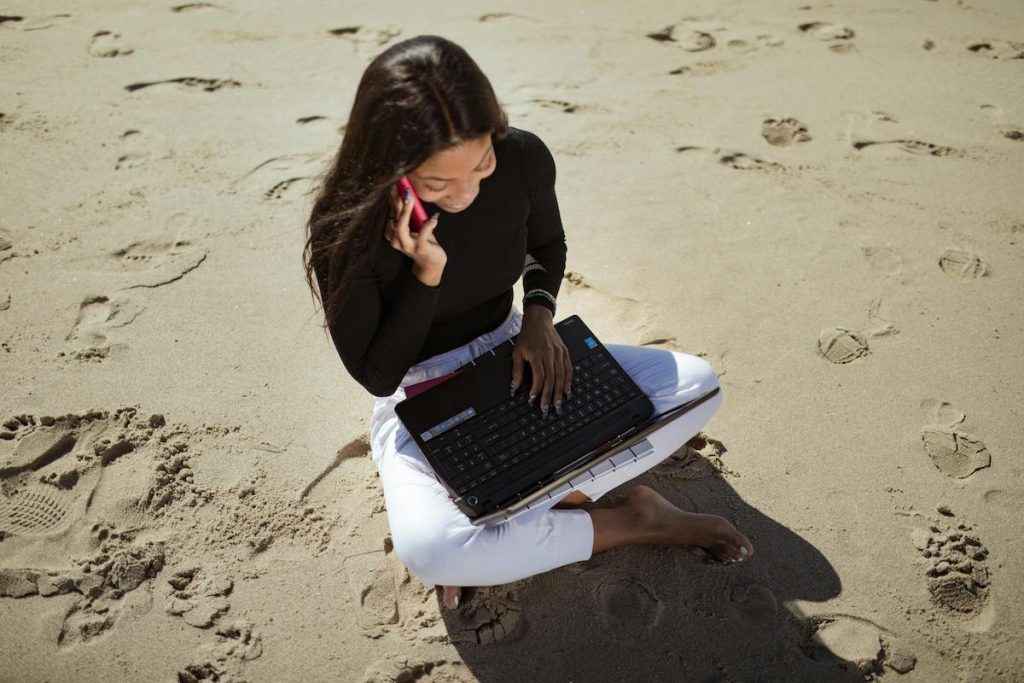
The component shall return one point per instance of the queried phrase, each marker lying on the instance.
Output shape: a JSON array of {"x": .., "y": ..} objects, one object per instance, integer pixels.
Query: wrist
[
  {"x": 428, "y": 276},
  {"x": 534, "y": 310},
  {"x": 539, "y": 297}
]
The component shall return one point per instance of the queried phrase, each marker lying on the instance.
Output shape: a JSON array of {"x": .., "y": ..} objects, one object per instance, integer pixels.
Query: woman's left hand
[{"x": 550, "y": 365}]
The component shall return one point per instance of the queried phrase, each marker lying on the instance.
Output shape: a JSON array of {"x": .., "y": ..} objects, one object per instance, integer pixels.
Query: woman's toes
[{"x": 451, "y": 596}]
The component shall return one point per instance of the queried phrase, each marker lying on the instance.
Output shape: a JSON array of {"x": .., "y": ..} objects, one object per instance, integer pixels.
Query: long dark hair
[{"x": 416, "y": 98}]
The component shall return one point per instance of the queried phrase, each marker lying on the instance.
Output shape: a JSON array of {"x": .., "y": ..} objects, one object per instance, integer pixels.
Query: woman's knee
[
  {"x": 429, "y": 546},
  {"x": 696, "y": 375},
  {"x": 419, "y": 546}
]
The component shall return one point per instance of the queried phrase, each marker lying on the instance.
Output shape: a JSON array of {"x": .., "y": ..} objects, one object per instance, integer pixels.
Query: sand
[{"x": 824, "y": 201}]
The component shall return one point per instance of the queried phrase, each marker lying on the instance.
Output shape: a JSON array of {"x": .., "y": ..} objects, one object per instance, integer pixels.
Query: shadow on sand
[{"x": 657, "y": 612}]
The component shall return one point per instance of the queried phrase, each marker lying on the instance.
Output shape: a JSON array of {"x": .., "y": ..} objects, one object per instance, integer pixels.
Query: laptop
[{"x": 498, "y": 457}]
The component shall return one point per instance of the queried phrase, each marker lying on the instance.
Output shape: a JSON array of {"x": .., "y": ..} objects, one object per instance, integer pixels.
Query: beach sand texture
[{"x": 823, "y": 200}]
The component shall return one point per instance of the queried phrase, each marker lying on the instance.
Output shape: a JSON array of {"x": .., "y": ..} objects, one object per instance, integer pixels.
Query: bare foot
[
  {"x": 669, "y": 524},
  {"x": 450, "y": 594}
]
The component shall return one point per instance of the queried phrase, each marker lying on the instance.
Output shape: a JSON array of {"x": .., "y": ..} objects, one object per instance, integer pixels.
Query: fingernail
[
  {"x": 568, "y": 393},
  {"x": 456, "y": 601},
  {"x": 743, "y": 551},
  {"x": 512, "y": 391},
  {"x": 436, "y": 214},
  {"x": 408, "y": 193},
  {"x": 532, "y": 397},
  {"x": 558, "y": 406},
  {"x": 544, "y": 412}
]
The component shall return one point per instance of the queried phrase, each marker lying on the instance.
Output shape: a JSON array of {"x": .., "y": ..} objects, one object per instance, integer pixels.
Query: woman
[{"x": 403, "y": 308}]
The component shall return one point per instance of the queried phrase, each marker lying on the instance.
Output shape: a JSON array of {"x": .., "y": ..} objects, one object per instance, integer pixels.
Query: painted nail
[
  {"x": 512, "y": 390},
  {"x": 743, "y": 551},
  {"x": 544, "y": 412},
  {"x": 558, "y": 406},
  {"x": 532, "y": 397},
  {"x": 456, "y": 601},
  {"x": 408, "y": 193}
]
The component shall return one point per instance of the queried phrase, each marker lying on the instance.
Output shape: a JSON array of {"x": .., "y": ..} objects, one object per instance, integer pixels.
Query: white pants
[{"x": 437, "y": 542}]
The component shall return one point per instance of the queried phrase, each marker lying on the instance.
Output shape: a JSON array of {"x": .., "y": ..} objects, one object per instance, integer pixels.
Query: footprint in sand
[
  {"x": 490, "y": 615},
  {"x": 153, "y": 263},
  {"x": 371, "y": 581},
  {"x": 962, "y": 265},
  {"x": 198, "y": 6},
  {"x": 403, "y": 668},
  {"x": 497, "y": 16},
  {"x": 863, "y": 646},
  {"x": 754, "y": 603},
  {"x": 317, "y": 122},
  {"x": 957, "y": 575},
  {"x": 883, "y": 258},
  {"x": 50, "y": 466},
  {"x": 998, "y": 49},
  {"x": 737, "y": 160},
  {"x": 107, "y": 581},
  {"x": 187, "y": 83},
  {"x": 1002, "y": 500},
  {"x": 237, "y": 643},
  {"x": 282, "y": 178},
  {"x": 560, "y": 105},
  {"x": 823, "y": 30},
  {"x": 762, "y": 40},
  {"x": 784, "y": 132},
  {"x": 7, "y": 250},
  {"x": 699, "y": 457},
  {"x": 626, "y": 603},
  {"x": 90, "y": 336},
  {"x": 915, "y": 147},
  {"x": 838, "y": 36},
  {"x": 1012, "y": 133},
  {"x": 135, "y": 150},
  {"x": 111, "y": 589},
  {"x": 841, "y": 345},
  {"x": 107, "y": 44},
  {"x": 39, "y": 509},
  {"x": 366, "y": 37},
  {"x": 689, "y": 40},
  {"x": 35, "y": 23},
  {"x": 631, "y": 318},
  {"x": 149, "y": 263},
  {"x": 198, "y": 596},
  {"x": 955, "y": 453}
]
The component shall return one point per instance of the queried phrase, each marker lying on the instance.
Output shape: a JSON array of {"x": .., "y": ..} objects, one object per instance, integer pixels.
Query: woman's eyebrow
[{"x": 434, "y": 177}]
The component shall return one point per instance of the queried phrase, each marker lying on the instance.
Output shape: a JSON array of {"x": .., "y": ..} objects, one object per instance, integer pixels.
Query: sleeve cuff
[{"x": 541, "y": 297}]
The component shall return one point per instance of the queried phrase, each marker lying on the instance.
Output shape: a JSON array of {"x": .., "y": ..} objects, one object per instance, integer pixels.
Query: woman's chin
[{"x": 450, "y": 209}]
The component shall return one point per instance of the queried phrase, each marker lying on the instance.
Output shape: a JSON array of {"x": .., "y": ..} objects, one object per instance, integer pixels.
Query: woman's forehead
[{"x": 454, "y": 161}]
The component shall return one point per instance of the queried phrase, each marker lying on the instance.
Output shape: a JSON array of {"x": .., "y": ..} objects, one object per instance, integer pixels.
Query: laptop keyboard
[{"x": 509, "y": 433}]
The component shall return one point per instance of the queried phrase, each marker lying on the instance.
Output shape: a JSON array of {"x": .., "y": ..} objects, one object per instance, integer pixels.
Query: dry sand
[{"x": 825, "y": 201}]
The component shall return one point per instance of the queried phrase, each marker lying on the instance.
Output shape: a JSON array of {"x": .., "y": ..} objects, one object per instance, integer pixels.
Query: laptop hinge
[{"x": 621, "y": 437}]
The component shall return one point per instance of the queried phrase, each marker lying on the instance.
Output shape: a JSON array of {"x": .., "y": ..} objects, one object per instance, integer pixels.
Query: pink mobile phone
[{"x": 419, "y": 215}]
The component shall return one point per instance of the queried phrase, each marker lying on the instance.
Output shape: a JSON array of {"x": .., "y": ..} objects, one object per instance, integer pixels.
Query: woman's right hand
[{"x": 422, "y": 248}]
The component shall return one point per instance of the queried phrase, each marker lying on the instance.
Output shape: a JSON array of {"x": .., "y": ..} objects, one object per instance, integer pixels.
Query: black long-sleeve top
[{"x": 389, "y": 320}]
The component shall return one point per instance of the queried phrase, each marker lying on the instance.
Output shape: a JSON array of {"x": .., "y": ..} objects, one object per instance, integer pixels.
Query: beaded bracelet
[{"x": 543, "y": 296}]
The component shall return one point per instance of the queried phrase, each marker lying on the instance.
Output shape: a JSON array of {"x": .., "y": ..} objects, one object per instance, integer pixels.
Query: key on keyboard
[{"x": 507, "y": 435}]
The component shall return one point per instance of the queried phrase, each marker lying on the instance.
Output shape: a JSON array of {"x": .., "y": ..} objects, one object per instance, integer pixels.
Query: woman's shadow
[{"x": 658, "y": 612}]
